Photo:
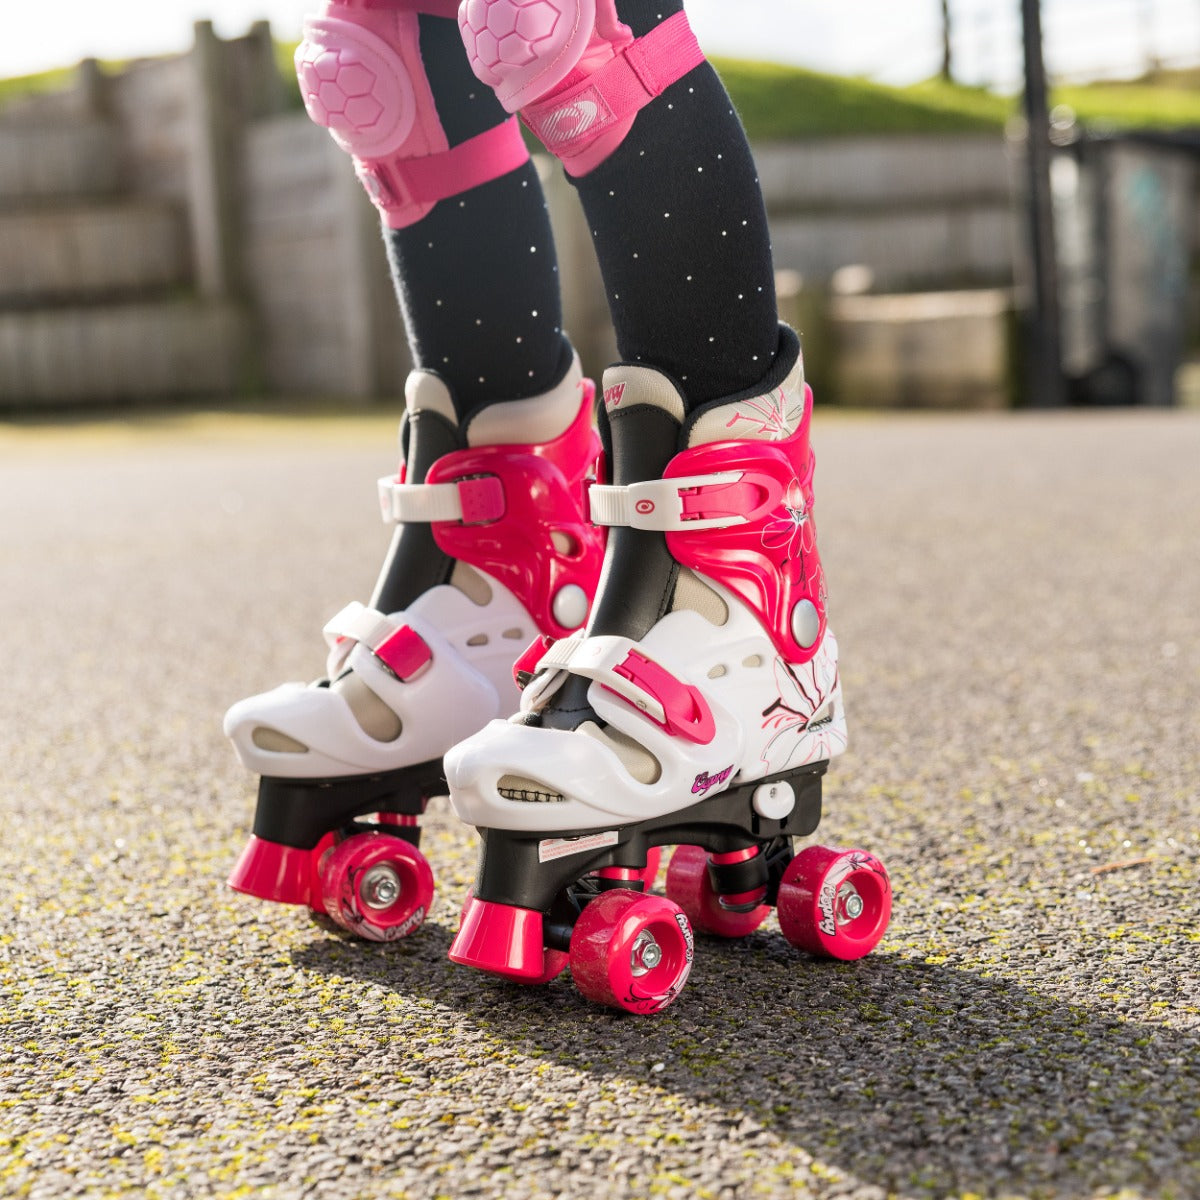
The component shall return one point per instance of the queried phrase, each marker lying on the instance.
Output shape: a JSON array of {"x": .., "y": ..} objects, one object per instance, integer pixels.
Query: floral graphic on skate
[
  {"x": 792, "y": 531},
  {"x": 803, "y": 725},
  {"x": 769, "y": 415}
]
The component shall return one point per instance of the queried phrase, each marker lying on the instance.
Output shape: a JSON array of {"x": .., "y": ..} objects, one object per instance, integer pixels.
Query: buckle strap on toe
[
  {"x": 399, "y": 648},
  {"x": 621, "y": 667}
]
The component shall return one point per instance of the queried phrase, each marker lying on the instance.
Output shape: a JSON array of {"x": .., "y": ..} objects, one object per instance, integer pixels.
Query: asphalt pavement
[{"x": 1018, "y": 603}]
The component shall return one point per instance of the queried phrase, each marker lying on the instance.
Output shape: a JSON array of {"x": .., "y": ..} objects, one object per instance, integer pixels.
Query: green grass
[
  {"x": 1133, "y": 105},
  {"x": 27, "y": 85},
  {"x": 779, "y": 103}
]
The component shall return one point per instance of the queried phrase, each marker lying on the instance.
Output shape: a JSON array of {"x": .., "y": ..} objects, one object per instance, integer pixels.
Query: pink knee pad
[
  {"x": 575, "y": 72},
  {"x": 362, "y": 78}
]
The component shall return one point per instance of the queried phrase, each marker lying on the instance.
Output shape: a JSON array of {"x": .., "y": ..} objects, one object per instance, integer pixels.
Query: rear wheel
[
  {"x": 690, "y": 886},
  {"x": 834, "y": 903}
]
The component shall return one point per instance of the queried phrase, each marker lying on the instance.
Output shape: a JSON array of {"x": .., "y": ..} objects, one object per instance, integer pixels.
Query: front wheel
[
  {"x": 631, "y": 951},
  {"x": 377, "y": 886}
]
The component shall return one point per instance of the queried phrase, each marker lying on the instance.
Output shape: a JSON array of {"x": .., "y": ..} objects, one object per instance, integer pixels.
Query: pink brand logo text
[
  {"x": 705, "y": 782},
  {"x": 612, "y": 395}
]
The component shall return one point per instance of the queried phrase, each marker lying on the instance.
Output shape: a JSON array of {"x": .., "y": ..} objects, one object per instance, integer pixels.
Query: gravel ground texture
[{"x": 1018, "y": 604}]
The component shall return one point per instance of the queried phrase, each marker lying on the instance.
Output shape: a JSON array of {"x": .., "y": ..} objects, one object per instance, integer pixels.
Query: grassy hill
[{"x": 779, "y": 102}]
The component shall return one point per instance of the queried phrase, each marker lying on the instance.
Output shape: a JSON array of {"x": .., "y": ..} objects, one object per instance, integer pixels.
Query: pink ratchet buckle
[{"x": 685, "y": 711}]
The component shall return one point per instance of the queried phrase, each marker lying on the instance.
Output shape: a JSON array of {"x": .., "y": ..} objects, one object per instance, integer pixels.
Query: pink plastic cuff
[
  {"x": 770, "y": 559},
  {"x": 543, "y": 542}
]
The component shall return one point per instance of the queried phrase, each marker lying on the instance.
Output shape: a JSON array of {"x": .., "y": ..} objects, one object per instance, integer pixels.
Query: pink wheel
[
  {"x": 689, "y": 885},
  {"x": 834, "y": 903},
  {"x": 631, "y": 951},
  {"x": 377, "y": 886}
]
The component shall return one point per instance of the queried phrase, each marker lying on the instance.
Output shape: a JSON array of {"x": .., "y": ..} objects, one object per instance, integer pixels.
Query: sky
[{"x": 894, "y": 41}]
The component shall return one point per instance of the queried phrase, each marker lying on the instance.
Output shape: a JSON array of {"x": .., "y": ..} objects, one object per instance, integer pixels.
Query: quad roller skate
[
  {"x": 493, "y": 548},
  {"x": 699, "y": 709}
]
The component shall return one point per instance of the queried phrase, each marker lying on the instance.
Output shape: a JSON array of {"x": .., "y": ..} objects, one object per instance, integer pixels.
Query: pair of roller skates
[{"x": 698, "y": 708}]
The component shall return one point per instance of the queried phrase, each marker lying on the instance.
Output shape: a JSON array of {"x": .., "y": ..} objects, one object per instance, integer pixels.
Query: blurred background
[{"x": 172, "y": 226}]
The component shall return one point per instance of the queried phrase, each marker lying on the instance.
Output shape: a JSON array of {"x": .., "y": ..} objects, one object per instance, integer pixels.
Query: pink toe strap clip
[{"x": 398, "y": 648}]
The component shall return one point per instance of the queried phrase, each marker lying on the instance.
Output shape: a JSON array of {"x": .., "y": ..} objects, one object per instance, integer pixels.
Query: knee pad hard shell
[
  {"x": 362, "y": 78},
  {"x": 573, "y": 70}
]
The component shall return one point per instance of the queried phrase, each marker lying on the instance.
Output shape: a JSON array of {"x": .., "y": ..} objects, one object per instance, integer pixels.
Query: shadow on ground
[{"x": 901, "y": 1073}]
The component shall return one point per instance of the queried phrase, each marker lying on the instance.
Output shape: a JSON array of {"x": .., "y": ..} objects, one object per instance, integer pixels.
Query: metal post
[
  {"x": 947, "y": 48},
  {"x": 1046, "y": 387}
]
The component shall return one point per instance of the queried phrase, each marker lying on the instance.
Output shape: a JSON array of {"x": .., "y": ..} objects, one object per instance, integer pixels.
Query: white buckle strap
[
  {"x": 358, "y": 623},
  {"x": 559, "y": 654},
  {"x": 658, "y": 504},
  {"x": 596, "y": 658},
  {"x": 472, "y": 501},
  {"x": 398, "y": 648}
]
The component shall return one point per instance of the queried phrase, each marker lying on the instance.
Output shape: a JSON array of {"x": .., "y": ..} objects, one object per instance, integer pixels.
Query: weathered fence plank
[
  {"x": 53, "y": 254},
  {"x": 134, "y": 351}
]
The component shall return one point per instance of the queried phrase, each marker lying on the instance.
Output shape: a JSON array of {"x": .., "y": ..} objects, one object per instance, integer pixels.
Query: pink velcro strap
[
  {"x": 436, "y": 8},
  {"x": 404, "y": 653},
  {"x": 571, "y": 119},
  {"x": 404, "y": 187},
  {"x": 482, "y": 499},
  {"x": 665, "y": 55}
]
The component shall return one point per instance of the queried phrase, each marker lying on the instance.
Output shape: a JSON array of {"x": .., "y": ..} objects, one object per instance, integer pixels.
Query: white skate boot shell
[
  {"x": 462, "y": 688},
  {"x": 769, "y": 716}
]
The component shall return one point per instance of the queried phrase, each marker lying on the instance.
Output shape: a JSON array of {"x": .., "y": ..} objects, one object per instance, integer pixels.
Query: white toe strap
[
  {"x": 399, "y": 648},
  {"x": 687, "y": 502}
]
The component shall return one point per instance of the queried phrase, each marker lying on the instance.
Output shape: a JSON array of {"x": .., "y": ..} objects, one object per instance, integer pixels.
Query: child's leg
[
  {"x": 477, "y": 278},
  {"x": 704, "y": 700},
  {"x": 681, "y": 234},
  {"x": 669, "y": 188},
  {"x": 492, "y": 546}
]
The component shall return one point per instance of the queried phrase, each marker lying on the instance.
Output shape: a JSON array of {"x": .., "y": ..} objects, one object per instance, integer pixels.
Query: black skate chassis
[
  {"x": 300, "y": 812},
  {"x": 514, "y": 868}
]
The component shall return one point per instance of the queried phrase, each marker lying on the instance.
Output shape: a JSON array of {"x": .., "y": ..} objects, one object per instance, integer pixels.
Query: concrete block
[
  {"x": 883, "y": 172},
  {"x": 932, "y": 350},
  {"x": 905, "y": 248}
]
